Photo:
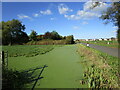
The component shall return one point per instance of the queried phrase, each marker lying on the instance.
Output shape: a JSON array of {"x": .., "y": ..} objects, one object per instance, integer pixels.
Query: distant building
[
  {"x": 108, "y": 39},
  {"x": 100, "y": 39},
  {"x": 113, "y": 39},
  {"x": 105, "y": 39}
]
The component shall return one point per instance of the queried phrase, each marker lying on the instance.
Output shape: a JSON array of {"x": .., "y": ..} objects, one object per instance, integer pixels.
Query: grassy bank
[
  {"x": 101, "y": 69},
  {"x": 113, "y": 44}
]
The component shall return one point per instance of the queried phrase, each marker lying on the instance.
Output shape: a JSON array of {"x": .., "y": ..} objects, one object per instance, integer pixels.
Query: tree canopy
[
  {"x": 33, "y": 35},
  {"x": 50, "y": 35},
  {"x": 112, "y": 14},
  {"x": 13, "y": 32}
]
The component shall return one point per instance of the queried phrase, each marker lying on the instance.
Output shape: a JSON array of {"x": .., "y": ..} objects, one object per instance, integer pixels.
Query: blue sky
[{"x": 64, "y": 17}]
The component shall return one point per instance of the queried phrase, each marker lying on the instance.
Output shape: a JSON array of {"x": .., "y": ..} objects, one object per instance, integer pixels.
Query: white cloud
[
  {"x": 63, "y": 9},
  {"x": 88, "y": 13},
  {"x": 81, "y": 15},
  {"x": 36, "y": 15},
  {"x": 98, "y": 9},
  {"x": 52, "y": 18},
  {"x": 115, "y": 27},
  {"x": 114, "y": 31},
  {"x": 72, "y": 17},
  {"x": 47, "y": 12},
  {"x": 75, "y": 27},
  {"x": 84, "y": 23},
  {"x": 22, "y": 16}
]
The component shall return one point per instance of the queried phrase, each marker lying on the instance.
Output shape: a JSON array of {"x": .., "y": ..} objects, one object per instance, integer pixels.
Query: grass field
[
  {"x": 63, "y": 71},
  {"x": 113, "y": 44}
]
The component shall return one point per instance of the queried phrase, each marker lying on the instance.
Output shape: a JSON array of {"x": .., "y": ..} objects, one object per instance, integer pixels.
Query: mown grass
[
  {"x": 113, "y": 44},
  {"x": 27, "y": 50},
  {"x": 101, "y": 69}
]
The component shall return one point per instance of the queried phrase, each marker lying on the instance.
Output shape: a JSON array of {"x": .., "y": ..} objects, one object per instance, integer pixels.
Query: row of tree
[
  {"x": 48, "y": 35},
  {"x": 13, "y": 33},
  {"x": 52, "y": 36}
]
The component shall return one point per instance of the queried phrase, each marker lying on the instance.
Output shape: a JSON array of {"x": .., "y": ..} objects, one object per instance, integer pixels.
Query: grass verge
[
  {"x": 101, "y": 69},
  {"x": 112, "y": 44}
]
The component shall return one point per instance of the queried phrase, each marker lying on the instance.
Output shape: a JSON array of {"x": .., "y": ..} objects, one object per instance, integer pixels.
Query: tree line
[{"x": 13, "y": 32}]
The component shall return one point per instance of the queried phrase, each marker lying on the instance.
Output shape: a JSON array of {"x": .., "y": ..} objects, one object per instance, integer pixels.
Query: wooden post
[
  {"x": 7, "y": 58},
  {"x": 3, "y": 58}
]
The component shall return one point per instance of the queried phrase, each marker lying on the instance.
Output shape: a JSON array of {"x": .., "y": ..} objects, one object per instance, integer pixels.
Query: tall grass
[
  {"x": 101, "y": 69},
  {"x": 48, "y": 42}
]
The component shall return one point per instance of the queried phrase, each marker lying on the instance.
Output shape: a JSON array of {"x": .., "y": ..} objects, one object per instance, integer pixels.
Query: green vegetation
[
  {"x": 33, "y": 35},
  {"x": 113, "y": 44},
  {"x": 47, "y": 42},
  {"x": 49, "y": 38},
  {"x": 16, "y": 80},
  {"x": 27, "y": 50},
  {"x": 68, "y": 40},
  {"x": 50, "y": 35},
  {"x": 101, "y": 69},
  {"x": 13, "y": 32}
]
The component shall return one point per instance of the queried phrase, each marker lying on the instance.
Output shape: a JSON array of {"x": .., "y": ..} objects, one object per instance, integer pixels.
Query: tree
[
  {"x": 40, "y": 37},
  {"x": 33, "y": 35},
  {"x": 70, "y": 39},
  {"x": 24, "y": 38},
  {"x": 55, "y": 35},
  {"x": 112, "y": 15},
  {"x": 12, "y": 32},
  {"x": 47, "y": 35}
]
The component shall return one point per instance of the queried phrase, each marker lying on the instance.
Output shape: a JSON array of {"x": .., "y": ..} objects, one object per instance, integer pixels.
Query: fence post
[
  {"x": 6, "y": 59},
  {"x": 3, "y": 58}
]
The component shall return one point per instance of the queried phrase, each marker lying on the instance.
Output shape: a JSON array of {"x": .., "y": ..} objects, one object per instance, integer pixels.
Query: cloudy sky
[{"x": 66, "y": 18}]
